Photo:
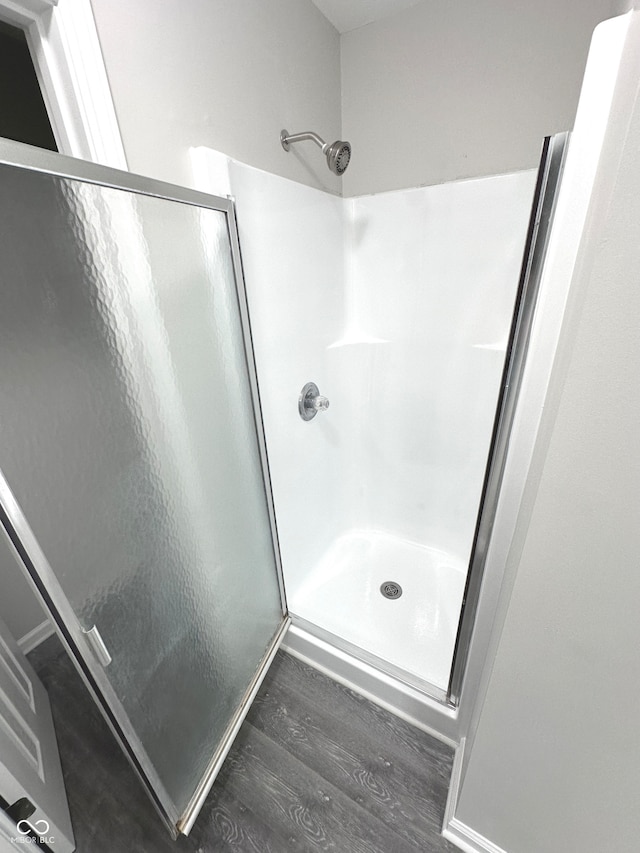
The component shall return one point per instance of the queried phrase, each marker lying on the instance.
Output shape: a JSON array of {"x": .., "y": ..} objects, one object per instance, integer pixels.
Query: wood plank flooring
[{"x": 315, "y": 767}]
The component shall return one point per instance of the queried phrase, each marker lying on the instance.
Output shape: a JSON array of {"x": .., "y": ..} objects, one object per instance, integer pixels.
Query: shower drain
[{"x": 391, "y": 589}]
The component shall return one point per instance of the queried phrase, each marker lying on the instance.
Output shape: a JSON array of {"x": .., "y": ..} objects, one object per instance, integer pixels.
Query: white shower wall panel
[
  {"x": 432, "y": 275},
  {"x": 292, "y": 251}
]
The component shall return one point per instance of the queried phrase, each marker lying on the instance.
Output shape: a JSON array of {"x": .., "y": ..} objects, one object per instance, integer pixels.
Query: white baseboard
[
  {"x": 455, "y": 830},
  {"x": 36, "y": 636},
  {"x": 468, "y": 839}
]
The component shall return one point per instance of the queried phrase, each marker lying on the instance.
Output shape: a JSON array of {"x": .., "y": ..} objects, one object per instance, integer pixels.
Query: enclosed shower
[
  {"x": 221, "y": 418},
  {"x": 396, "y": 309}
]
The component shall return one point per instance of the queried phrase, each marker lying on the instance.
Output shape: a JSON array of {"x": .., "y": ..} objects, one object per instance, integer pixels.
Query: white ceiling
[{"x": 347, "y": 15}]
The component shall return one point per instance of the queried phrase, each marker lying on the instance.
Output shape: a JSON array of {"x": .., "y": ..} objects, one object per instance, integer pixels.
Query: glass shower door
[{"x": 134, "y": 482}]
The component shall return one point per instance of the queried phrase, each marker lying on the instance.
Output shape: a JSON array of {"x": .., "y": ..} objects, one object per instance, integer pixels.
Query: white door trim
[{"x": 64, "y": 44}]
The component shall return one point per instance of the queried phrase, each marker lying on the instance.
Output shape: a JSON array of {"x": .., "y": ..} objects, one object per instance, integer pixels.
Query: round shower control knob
[
  {"x": 310, "y": 402},
  {"x": 320, "y": 404}
]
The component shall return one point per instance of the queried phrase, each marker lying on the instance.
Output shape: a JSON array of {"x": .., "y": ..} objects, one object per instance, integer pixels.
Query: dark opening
[{"x": 23, "y": 115}]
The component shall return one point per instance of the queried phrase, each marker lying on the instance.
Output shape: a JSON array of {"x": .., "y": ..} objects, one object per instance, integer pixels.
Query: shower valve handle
[
  {"x": 311, "y": 401},
  {"x": 320, "y": 403}
]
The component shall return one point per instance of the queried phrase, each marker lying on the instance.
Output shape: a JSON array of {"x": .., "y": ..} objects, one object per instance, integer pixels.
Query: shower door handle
[
  {"x": 311, "y": 401},
  {"x": 98, "y": 645}
]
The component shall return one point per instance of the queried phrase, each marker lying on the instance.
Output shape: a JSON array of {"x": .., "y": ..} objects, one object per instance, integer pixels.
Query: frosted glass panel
[{"x": 128, "y": 439}]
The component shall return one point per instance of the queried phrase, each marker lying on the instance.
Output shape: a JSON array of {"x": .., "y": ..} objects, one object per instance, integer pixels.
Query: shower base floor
[{"x": 414, "y": 633}]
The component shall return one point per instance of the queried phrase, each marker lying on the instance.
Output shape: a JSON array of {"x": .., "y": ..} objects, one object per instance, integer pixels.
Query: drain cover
[{"x": 391, "y": 589}]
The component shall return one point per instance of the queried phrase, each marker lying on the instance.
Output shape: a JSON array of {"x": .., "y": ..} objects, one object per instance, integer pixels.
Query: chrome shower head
[
  {"x": 338, "y": 156},
  {"x": 338, "y": 153}
]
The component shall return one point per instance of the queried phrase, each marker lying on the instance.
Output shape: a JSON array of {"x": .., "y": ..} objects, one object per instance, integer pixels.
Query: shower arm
[
  {"x": 338, "y": 153},
  {"x": 286, "y": 140}
]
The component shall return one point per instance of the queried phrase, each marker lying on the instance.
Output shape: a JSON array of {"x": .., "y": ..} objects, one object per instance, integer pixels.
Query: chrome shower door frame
[
  {"x": 543, "y": 207},
  {"x": 32, "y": 560}
]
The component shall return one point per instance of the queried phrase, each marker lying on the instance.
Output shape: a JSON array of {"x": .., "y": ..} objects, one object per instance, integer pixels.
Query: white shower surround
[{"x": 398, "y": 306}]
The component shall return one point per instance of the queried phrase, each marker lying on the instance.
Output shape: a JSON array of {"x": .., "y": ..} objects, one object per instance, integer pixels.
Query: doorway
[{"x": 23, "y": 114}]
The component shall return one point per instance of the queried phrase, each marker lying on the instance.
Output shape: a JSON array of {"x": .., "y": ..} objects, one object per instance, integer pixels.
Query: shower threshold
[
  {"x": 426, "y": 708},
  {"x": 371, "y": 660}
]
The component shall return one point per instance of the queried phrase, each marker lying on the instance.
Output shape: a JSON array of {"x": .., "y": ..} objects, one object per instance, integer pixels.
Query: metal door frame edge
[
  {"x": 243, "y": 305},
  {"x": 543, "y": 207},
  {"x": 23, "y": 156}
]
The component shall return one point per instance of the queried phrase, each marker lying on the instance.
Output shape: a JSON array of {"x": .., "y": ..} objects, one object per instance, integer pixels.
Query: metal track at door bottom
[{"x": 186, "y": 822}]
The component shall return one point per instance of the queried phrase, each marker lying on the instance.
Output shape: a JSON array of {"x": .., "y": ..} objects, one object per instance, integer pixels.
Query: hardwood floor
[{"x": 315, "y": 767}]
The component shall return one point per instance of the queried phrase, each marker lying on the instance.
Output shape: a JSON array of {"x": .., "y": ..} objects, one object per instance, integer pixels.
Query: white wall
[
  {"x": 554, "y": 763},
  {"x": 228, "y": 75},
  {"x": 440, "y": 91},
  {"x": 451, "y": 89}
]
